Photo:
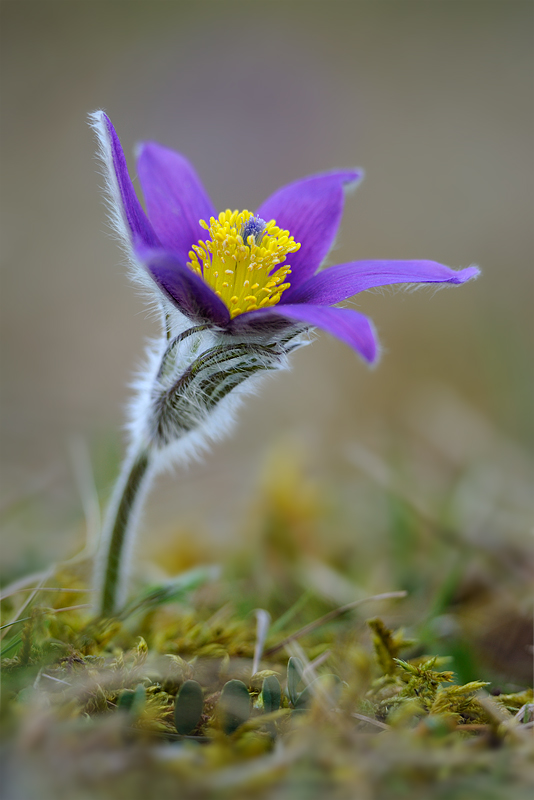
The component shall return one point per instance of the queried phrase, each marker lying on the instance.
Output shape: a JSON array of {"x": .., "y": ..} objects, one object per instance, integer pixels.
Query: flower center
[{"x": 240, "y": 259}]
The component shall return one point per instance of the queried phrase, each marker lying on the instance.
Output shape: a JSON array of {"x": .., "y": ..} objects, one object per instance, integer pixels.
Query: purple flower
[{"x": 247, "y": 274}]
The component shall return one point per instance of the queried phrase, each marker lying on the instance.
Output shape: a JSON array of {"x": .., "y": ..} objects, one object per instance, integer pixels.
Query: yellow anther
[{"x": 240, "y": 244}]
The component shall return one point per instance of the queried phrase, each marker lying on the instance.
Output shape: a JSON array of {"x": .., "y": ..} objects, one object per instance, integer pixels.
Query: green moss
[{"x": 90, "y": 706}]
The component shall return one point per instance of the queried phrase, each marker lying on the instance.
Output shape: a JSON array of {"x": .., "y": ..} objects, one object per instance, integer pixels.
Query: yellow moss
[{"x": 387, "y": 645}]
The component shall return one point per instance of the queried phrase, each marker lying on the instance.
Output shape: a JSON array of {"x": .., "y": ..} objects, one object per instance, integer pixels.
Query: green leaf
[
  {"x": 173, "y": 591},
  {"x": 271, "y": 693},
  {"x": 11, "y": 646},
  {"x": 234, "y": 705},
  {"x": 294, "y": 674},
  {"x": 188, "y": 707},
  {"x": 132, "y": 700}
]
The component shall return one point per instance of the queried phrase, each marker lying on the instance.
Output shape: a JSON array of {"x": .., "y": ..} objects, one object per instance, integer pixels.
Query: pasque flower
[
  {"x": 237, "y": 291},
  {"x": 244, "y": 273}
]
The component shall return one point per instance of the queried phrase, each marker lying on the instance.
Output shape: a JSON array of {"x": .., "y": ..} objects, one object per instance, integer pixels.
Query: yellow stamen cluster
[{"x": 242, "y": 272}]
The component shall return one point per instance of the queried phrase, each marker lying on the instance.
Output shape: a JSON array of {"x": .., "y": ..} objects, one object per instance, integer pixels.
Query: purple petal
[
  {"x": 350, "y": 326},
  {"x": 187, "y": 291},
  {"x": 175, "y": 198},
  {"x": 344, "y": 280},
  {"x": 311, "y": 210},
  {"x": 126, "y": 208}
]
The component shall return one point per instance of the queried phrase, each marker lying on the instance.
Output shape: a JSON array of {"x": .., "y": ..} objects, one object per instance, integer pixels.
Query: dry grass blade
[
  {"x": 83, "y": 473},
  {"x": 27, "y": 602},
  {"x": 44, "y": 589},
  {"x": 316, "y": 663},
  {"x": 70, "y": 608},
  {"x": 371, "y": 721},
  {"x": 263, "y": 620},
  {"x": 337, "y": 612}
]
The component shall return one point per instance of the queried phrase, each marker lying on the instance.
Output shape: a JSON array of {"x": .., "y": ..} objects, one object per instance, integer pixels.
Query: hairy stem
[
  {"x": 185, "y": 389},
  {"x": 118, "y": 532}
]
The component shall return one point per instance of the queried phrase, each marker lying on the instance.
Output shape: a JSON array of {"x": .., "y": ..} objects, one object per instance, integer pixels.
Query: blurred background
[{"x": 434, "y": 101}]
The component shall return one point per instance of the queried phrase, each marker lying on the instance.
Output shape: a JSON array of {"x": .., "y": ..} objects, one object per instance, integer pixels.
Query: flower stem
[{"x": 118, "y": 532}]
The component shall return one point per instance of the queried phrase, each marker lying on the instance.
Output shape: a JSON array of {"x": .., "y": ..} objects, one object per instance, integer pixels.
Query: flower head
[{"x": 247, "y": 274}]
